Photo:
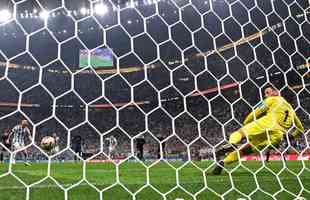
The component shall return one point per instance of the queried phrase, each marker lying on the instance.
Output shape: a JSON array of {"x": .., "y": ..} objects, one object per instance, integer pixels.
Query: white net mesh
[{"x": 139, "y": 95}]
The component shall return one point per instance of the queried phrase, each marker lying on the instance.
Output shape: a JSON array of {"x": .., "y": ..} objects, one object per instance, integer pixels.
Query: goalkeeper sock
[
  {"x": 235, "y": 137},
  {"x": 231, "y": 158}
]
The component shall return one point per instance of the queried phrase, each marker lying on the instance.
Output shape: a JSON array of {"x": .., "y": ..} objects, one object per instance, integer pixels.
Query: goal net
[{"x": 137, "y": 99}]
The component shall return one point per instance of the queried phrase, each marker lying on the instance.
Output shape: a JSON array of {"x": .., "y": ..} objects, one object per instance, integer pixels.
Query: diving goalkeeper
[{"x": 263, "y": 127}]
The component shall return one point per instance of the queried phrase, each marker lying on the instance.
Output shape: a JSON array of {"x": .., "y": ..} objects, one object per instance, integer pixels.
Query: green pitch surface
[{"x": 274, "y": 178}]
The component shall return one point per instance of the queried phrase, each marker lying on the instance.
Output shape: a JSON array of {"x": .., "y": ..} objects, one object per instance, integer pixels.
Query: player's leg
[
  {"x": 5, "y": 155},
  {"x": 140, "y": 153},
  {"x": 76, "y": 157},
  {"x": 158, "y": 152},
  {"x": 13, "y": 161},
  {"x": 15, "y": 148},
  {"x": 276, "y": 138},
  {"x": 270, "y": 151},
  {"x": 109, "y": 153},
  {"x": 25, "y": 155},
  {"x": 81, "y": 154},
  {"x": 112, "y": 153},
  {"x": 164, "y": 151},
  {"x": 1, "y": 154},
  {"x": 253, "y": 131},
  {"x": 267, "y": 155},
  {"x": 232, "y": 157},
  {"x": 235, "y": 139},
  {"x": 78, "y": 154},
  {"x": 77, "y": 151},
  {"x": 257, "y": 142}
]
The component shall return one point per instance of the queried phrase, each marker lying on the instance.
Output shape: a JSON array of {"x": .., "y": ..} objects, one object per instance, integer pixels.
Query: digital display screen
[{"x": 99, "y": 58}]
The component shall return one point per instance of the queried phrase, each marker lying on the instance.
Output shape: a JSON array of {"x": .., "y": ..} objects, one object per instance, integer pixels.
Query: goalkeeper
[{"x": 263, "y": 127}]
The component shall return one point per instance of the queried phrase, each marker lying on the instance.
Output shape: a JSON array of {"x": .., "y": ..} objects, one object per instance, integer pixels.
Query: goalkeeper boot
[
  {"x": 225, "y": 149},
  {"x": 218, "y": 168}
]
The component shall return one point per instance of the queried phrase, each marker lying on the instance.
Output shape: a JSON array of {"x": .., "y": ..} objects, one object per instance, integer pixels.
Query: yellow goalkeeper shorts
[{"x": 258, "y": 131}]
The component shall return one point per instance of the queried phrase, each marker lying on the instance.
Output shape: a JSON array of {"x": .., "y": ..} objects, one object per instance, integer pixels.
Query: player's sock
[
  {"x": 224, "y": 149},
  {"x": 218, "y": 168},
  {"x": 232, "y": 157},
  {"x": 235, "y": 137},
  {"x": 26, "y": 159},
  {"x": 13, "y": 158},
  {"x": 1, "y": 157}
]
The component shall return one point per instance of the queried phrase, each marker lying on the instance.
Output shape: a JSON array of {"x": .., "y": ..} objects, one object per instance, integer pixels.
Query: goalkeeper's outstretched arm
[{"x": 259, "y": 111}]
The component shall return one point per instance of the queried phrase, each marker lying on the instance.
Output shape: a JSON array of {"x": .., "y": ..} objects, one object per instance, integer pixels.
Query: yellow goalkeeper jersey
[{"x": 280, "y": 111}]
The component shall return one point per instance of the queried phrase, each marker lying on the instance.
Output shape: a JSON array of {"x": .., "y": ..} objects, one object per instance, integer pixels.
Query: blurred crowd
[{"x": 187, "y": 133}]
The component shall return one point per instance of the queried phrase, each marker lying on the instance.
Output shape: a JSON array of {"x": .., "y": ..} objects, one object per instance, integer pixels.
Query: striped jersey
[{"x": 19, "y": 134}]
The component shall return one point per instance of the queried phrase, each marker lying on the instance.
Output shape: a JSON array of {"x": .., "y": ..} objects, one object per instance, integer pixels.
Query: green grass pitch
[{"x": 272, "y": 179}]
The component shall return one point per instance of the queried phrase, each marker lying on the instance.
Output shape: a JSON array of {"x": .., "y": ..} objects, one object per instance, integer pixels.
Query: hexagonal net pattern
[{"x": 148, "y": 99}]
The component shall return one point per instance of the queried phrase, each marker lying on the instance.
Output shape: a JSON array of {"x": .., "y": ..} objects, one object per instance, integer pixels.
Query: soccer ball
[{"x": 48, "y": 143}]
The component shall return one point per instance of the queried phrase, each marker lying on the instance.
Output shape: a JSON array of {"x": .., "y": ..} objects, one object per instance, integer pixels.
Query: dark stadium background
[{"x": 158, "y": 82}]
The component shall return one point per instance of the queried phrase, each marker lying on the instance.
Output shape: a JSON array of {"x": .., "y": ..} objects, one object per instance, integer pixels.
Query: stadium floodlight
[
  {"x": 101, "y": 9},
  {"x": 5, "y": 15},
  {"x": 44, "y": 14}
]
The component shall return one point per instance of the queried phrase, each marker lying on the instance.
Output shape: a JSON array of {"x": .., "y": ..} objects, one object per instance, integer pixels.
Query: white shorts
[{"x": 18, "y": 145}]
